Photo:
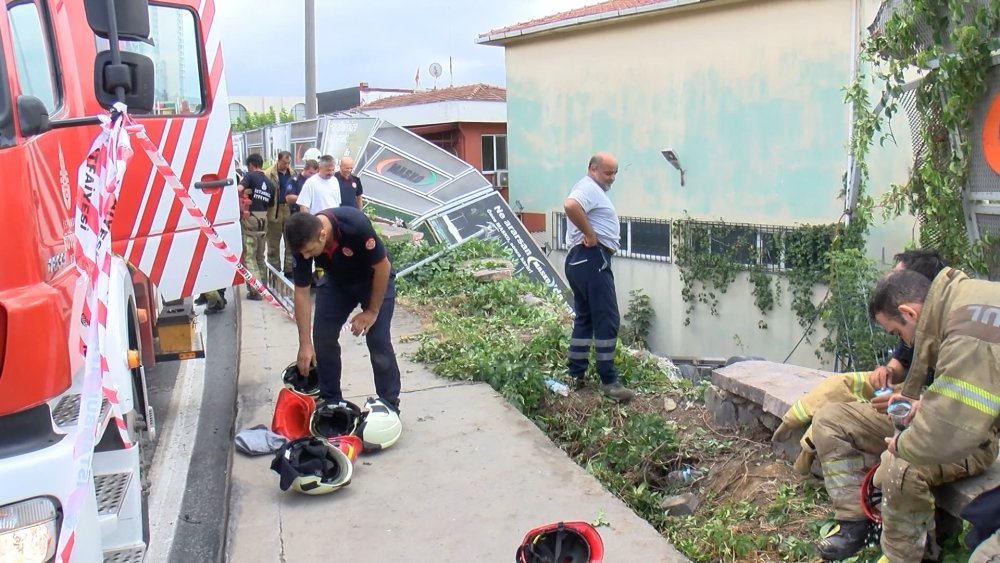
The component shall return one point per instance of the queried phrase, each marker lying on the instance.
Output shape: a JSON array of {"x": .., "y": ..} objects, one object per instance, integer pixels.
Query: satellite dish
[{"x": 435, "y": 70}]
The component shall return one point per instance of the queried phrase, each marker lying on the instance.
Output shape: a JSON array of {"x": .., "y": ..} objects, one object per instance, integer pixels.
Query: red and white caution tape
[
  {"x": 99, "y": 182},
  {"x": 182, "y": 195}
]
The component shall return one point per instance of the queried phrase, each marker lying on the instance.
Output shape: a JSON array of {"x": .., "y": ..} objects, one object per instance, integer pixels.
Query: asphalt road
[{"x": 194, "y": 403}]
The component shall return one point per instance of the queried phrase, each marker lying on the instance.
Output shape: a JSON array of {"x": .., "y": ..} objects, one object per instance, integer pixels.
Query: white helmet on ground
[
  {"x": 312, "y": 466},
  {"x": 380, "y": 427}
]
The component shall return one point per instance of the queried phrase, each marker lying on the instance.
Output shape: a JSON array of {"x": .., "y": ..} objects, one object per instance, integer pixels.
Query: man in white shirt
[
  {"x": 593, "y": 236},
  {"x": 321, "y": 191}
]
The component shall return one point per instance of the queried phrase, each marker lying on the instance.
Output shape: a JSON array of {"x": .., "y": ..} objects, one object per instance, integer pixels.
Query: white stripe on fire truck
[
  {"x": 149, "y": 182},
  {"x": 149, "y": 252},
  {"x": 181, "y": 155}
]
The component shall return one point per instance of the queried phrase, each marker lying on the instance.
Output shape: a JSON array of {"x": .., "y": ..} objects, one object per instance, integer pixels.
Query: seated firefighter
[
  {"x": 856, "y": 386},
  {"x": 952, "y": 433},
  {"x": 853, "y": 529}
]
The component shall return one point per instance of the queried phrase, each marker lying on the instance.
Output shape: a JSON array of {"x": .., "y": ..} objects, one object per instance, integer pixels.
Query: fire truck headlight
[{"x": 28, "y": 531}]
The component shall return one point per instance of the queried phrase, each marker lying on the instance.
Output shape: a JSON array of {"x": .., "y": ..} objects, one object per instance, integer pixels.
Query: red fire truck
[{"x": 58, "y": 70}]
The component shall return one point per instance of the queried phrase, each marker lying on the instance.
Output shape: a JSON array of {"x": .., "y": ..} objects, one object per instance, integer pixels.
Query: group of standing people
[{"x": 272, "y": 195}]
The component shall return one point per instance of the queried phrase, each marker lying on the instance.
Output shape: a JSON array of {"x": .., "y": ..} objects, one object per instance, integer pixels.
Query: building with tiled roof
[
  {"x": 728, "y": 115},
  {"x": 468, "y": 93}
]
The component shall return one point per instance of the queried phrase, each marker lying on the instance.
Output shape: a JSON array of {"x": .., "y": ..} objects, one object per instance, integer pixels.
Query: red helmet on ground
[
  {"x": 562, "y": 542},
  {"x": 871, "y": 497}
]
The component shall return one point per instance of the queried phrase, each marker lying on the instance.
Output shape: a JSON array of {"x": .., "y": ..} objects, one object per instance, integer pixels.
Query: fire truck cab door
[{"x": 189, "y": 124}]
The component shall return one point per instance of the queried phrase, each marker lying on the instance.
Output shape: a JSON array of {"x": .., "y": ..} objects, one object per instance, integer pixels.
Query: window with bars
[
  {"x": 749, "y": 245},
  {"x": 641, "y": 238}
]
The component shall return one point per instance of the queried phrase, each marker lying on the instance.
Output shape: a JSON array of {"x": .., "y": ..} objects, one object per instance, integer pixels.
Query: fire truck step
[
  {"x": 131, "y": 554},
  {"x": 110, "y": 491},
  {"x": 68, "y": 410}
]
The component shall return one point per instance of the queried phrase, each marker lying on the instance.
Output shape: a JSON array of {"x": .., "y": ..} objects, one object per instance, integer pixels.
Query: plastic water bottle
[
  {"x": 898, "y": 411},
  {"x": 686, "y": 475},
  {"x": 557, "y": 387}
]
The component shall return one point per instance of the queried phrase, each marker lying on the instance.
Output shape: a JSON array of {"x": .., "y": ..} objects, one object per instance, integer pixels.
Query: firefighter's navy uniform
[
  {"x": 352, "y": 250},
  {"x": 953, "y": 434}
]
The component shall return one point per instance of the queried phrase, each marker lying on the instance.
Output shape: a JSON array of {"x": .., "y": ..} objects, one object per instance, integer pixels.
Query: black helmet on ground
[{"x": 305, "y": 385}]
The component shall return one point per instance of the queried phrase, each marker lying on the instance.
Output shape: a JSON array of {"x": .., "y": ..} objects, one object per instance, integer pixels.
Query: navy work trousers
[
  {"x": 334, "y": 303},
  {"x": 588, "y": 271}
]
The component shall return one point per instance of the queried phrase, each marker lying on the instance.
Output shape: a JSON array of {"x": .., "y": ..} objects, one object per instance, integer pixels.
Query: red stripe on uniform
[{"x": 156, "y": 194}]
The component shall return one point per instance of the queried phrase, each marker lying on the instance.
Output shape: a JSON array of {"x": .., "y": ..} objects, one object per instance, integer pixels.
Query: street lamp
[{"x": 671, "y": 157}]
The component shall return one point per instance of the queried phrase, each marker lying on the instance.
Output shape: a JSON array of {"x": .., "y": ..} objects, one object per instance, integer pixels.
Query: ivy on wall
[
  {"x": 711, "y": 254},
  {"x": 950, "y": 42},
  {"x": 776, "y": 260}
]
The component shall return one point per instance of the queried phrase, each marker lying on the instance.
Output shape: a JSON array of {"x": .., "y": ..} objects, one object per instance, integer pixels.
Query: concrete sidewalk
[{"x": 468, "y": 478}]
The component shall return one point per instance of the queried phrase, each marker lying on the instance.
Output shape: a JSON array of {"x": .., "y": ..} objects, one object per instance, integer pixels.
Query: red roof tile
[
  {"x": 601, "y": 8},
  {"x": 470, "y": 93}
]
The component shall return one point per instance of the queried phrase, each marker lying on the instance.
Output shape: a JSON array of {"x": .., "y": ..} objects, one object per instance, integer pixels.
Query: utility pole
[{"x": 310, "y": 34}]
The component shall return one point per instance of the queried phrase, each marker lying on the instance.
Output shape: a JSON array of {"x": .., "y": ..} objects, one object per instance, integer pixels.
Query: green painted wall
[{"x": 757, "y": 119}]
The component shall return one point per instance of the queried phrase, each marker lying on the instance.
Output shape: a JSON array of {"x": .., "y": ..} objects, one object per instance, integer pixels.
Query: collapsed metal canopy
[{"x": 410, "y": 178}]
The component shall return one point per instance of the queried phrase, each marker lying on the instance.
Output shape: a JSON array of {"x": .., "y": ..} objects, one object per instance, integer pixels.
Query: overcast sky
[{"x": 381, "y": 42}]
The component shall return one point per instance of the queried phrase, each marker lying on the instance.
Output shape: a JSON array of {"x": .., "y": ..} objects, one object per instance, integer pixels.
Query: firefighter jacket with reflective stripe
[
  {"x": 839, "y": 388},
  {"x": 958, "y": 334},
  {"x": 272, "y": 174}
]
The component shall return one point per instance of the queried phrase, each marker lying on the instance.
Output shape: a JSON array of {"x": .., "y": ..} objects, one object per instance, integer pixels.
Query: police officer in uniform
[
  {"x": 357, "y": 272},
  {"x": 593, "y": 237}
]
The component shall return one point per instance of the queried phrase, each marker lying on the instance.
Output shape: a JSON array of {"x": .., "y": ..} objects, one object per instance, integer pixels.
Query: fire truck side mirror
[
  {"x": 132, "y": 17},
  {"x": 135, "y": 75},
  {"x": 32, "y": 117}
]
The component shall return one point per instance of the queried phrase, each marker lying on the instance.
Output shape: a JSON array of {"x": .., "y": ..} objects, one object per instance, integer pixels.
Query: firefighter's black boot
[{"x": 846, "y": 539}]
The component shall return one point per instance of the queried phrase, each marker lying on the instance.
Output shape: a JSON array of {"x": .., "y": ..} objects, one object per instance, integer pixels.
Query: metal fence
[{"x": 641, "y": 238}]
